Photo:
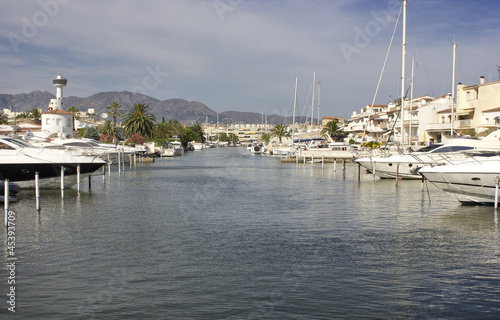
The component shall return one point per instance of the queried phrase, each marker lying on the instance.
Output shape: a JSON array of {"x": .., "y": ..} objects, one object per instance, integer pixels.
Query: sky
[{"x": 244, "y": 55}]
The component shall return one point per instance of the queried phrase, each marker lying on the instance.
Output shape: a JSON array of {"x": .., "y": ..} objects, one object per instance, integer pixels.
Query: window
[
  {"x": 5, "y": 146},
  {"x": 47, "y": 121},
  {"x": 58, "y": 122}
]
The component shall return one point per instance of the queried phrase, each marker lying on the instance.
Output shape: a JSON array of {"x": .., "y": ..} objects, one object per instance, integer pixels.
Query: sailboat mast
[
  {"x": 453, "y": 91},
  {"x": 319, "y": 89},
  {"x": 312, "y": 104},
  {"x": 411, "y": 97},
  {"x": 294, "y": 109},
  {"x": 403, "y": 64}
]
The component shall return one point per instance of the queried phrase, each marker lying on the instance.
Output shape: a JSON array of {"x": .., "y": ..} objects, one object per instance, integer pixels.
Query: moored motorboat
[
  {"x": 406, "y": 165},
  {"x": 19, "y": 161},
  {"x": 472, "y": 182}
]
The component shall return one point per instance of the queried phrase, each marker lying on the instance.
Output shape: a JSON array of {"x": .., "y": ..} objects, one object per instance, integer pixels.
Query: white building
[{"x": 56, "y": 120}]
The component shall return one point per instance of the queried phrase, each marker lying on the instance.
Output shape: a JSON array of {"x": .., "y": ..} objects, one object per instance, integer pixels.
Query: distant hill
[{"x": 186, "y": 112}]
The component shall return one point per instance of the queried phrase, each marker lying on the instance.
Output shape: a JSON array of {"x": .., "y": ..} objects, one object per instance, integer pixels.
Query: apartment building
[{"x": 427, "y": 119}]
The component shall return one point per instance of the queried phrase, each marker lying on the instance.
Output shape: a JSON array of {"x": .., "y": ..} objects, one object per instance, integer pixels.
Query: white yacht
[
  {"x": 173, "y": 149},
  {"x": 406, "y": 165},
  {"x": 473, "y": 181},
  {"x": 88, "y": 147},
  {"x": 19, "y": 161}
]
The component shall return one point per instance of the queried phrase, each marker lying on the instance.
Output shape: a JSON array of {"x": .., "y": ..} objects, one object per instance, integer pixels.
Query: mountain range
[{"x": 187, "y": 112}]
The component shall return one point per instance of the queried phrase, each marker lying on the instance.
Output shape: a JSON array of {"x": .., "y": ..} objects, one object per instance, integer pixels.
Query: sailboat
[{"x": 406, "y": 165}]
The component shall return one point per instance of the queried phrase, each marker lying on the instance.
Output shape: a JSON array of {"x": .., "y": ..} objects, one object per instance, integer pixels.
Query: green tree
[
  {"x": 175, "y": 128},
  {"x": 114, "y": 110},
  {"x": 74, "y": 110},
  {"x": 280, "y": 132},
  {"x": 35, "y": 113},
  {"x": 199, "y": 135},
  {"x": 138, "y": 120},
  {"x": 91, "y": 133},
  {"x": 266, "y": 137},
  {"x": 3, "y": 118},
  {"x": 22, "y": 115},
  {"x": 160, "y": 131},
  {"x": 109, "y": 128},
  {"x": 332, "y": 129}
]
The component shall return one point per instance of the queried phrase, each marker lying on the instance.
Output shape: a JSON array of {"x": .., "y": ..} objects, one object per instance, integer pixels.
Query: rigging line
[
  {"x": 429, "y": 22},
  {"x": 446, "y": 77},
  {"x": 431, "y": 91},
  {"x": 289, "y": 105},
  {"x": 301, "y": 91},
  {"x": 382, "y": 73},
  {"x": 460, "y": 63}
]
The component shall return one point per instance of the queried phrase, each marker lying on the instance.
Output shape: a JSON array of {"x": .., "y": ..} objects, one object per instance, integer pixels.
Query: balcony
[{"x": 463, "y": 123}]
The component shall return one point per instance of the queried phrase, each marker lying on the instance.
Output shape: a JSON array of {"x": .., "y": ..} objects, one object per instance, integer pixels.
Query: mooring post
[
  {"x": 335, "y": 165},
  {"x": 119, "y": 161},
  {"x": 123, "y": 160},
  {"x": 6, "y": 200},
  {"x": 37, "y": 190},
  {"x": 374, "y": 169},
  {"x": 322, "y": 162},
  {"x": 359, "y": 172},
  {"x": 90, "y": 181},
  {"x": 62, "y": 182},
  {"x": 343, "y": 165},
  {"x": 397, "y": 173},
  {"x": 78, "y": 178},
  {"x": 497, "y": 181}
]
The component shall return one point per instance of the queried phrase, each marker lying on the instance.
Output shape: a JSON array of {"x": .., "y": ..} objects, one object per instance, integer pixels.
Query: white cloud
[{"x": 248, "y": 59}]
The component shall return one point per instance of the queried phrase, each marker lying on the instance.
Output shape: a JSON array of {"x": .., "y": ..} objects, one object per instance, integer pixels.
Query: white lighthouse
[
  {"x": 59, "y": 82},
  {"x": 56, "y": 120}
]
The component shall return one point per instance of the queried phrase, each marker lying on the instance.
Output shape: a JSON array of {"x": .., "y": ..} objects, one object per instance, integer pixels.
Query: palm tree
[
  {"x": 109, "y": 128},
  {"x": 74, "y": 110},
  {"x": 161, "y": 129},
  {"x": 332, "y": 129},
  {"x": 280, "y": 132},
  {"x": 3, "y": 118},
  {"x": 138, "y": 120},
  {"x": 198, "y": 131},
  {"x": 175, "y": 128},
  {"x": 114, "y": 110},
  {"x": 266, "y": 137},
  {"x": 35, "y": 113},
  {"x": 22, "y": 115}
]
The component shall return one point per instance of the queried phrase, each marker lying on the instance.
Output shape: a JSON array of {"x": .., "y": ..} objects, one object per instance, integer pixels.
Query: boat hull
[
  {"x": 471, "y": 183},
  {"x": 49, "y": 173}
]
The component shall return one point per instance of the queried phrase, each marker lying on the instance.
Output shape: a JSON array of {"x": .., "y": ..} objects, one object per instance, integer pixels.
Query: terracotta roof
[
  {"x": 57, "y": 111},
  {"x": 480, "y": 85},
  {"x": 492, "y": 110}
]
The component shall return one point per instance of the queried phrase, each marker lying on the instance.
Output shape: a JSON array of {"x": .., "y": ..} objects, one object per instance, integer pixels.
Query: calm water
[{"x": 222, "y": 234}]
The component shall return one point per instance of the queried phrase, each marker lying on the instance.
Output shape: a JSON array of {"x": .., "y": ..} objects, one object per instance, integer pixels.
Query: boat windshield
[
  {"x": 18, "y": 142},
  {"x": 430, "y": 148},
  {"x": 452, "y": 149}
]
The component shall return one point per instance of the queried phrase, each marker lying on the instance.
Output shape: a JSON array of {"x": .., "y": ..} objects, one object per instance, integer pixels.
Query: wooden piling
[{"x": 37, "y": 191}]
